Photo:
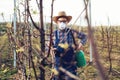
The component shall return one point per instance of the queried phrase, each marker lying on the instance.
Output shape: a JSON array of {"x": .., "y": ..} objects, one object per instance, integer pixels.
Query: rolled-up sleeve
[{"x": 83, "y": 37}]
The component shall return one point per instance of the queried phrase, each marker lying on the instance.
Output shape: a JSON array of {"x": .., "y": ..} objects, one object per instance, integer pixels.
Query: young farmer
[{"x": 63, "y": 45}]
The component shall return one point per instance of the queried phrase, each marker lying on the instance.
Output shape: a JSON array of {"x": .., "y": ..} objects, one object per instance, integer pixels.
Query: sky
[{"x": 103, "y": 12}]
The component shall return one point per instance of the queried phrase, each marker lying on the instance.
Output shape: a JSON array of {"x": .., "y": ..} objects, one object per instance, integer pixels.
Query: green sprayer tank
[{"x": 80, "y": 57}]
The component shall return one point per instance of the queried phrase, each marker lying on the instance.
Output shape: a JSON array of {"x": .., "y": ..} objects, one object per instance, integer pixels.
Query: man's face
[
  {"x": 62, "y": 19},
  {"x": 62, "y": 23}
]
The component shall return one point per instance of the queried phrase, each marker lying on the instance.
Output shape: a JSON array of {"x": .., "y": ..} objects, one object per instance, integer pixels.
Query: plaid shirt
[{"x": 63, "y": 36}]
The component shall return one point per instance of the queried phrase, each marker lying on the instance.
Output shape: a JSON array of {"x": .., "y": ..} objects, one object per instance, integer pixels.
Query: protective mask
[{"x": 62, "y": 25}]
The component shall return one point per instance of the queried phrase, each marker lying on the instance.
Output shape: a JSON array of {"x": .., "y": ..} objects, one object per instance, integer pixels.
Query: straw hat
[{"x": 61, "y": 14}]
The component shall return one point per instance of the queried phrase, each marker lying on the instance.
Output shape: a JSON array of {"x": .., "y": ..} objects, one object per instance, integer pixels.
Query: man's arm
[{"x": 83, "y": 38}]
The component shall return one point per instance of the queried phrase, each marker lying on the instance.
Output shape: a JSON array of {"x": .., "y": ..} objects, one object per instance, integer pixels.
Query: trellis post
[
  {"x": 14, "y": 24},
  {"x": 90, "y": 19}
]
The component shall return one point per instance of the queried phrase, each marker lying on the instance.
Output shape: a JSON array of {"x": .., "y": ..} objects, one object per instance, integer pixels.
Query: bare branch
[
  {"x": 95, "y": 52},
  {"x": 51, "y": 29},
  {"x": 69, "y": 74}
]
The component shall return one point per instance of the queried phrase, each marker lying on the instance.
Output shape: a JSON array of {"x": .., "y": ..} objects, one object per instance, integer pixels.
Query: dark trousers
[{"x": 65, "y": 62}]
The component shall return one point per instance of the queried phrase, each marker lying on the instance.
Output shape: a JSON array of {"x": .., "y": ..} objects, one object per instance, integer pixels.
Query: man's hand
[{"x": 78, "y": 47}]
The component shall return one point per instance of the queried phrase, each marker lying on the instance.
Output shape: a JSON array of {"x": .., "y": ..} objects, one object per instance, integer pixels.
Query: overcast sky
[{"x": 101, "y": 10}]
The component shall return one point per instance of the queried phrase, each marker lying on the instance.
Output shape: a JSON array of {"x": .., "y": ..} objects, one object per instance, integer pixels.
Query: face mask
[{"x": 62, "y": 25}]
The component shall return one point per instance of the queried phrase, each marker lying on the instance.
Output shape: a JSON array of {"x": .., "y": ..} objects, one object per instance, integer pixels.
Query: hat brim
[{"x": 55, "y": 18}]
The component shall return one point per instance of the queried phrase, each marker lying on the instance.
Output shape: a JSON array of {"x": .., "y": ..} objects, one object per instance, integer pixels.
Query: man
[{"x": 63, "y": 46}]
